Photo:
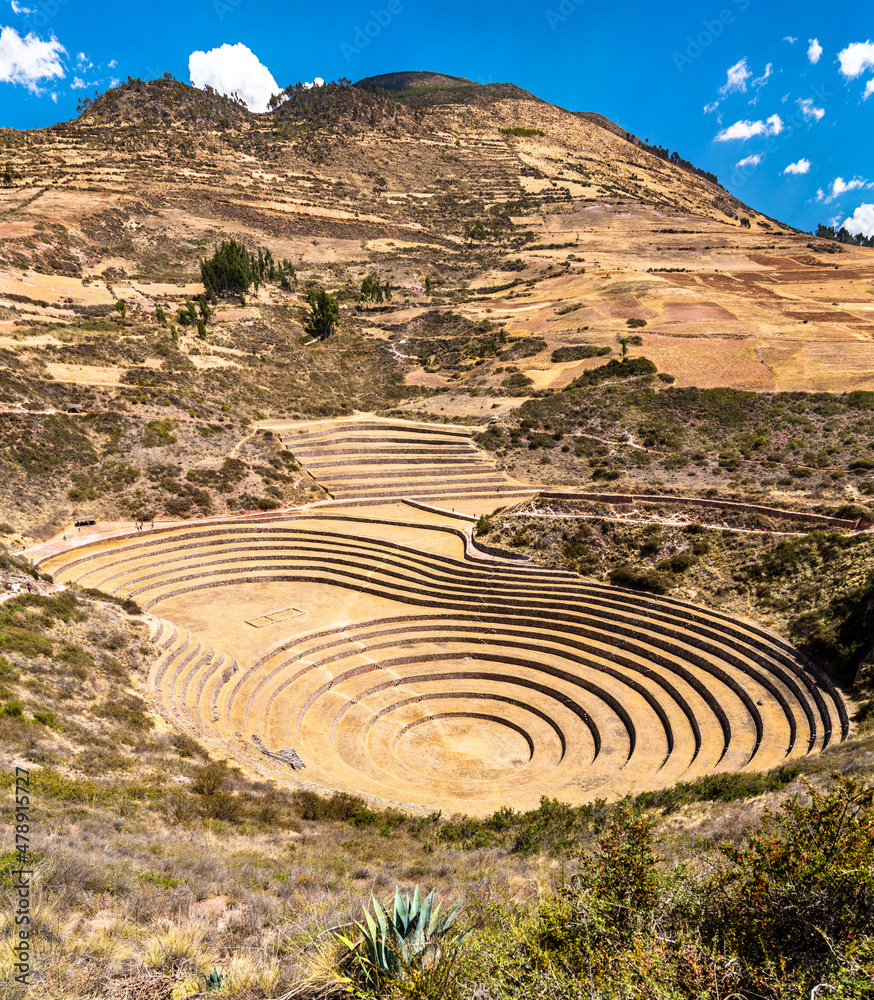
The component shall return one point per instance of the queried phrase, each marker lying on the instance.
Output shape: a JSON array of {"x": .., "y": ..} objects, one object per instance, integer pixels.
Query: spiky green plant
[
  {"x": 413, "y": 937},
  {"x": 216, "y": 980}
]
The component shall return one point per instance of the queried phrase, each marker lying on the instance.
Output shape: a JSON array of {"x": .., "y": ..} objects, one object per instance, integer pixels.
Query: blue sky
[{"x": 720, "y": 81}]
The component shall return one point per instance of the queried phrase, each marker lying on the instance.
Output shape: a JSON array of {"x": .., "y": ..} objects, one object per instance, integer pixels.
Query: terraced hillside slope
[
  {"x": 378, "y": 459},
  {"x": 377, "y": 650}
]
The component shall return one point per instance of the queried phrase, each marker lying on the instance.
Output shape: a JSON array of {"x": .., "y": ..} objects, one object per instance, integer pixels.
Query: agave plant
[{"x": 414, "y": 936}]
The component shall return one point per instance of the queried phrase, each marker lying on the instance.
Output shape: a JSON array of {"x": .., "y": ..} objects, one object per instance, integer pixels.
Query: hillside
[{"x": 549, "y": 562}]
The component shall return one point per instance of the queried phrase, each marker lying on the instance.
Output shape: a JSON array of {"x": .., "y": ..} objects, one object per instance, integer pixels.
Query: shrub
[
  {"x": 128, "y": 710},
  {"x": 517, "y": 381},
  {"x": 483, "y": 525},
  {"x": 24, "y": 642},
  {"x": 217, "y": 800},
  {"x": 613, "y": 369},
  {"x": 75, "y": 656},
  {"x": 554, "y": 826},
  {"x": 340, "y": 806},
  {"x": 629, "y": 576},
  {"x": 579, "y": 352},
  {"x": 48, "y": 719},
  {"x": 521, "y": 132},
  {"x": 7, "y": 671},
  {"x": 158, "y": 433},
  {"x": 728, "y": 787},
  {"x": 799, "y": 891},
  {"x": 678, "y": 563},
  {"x": 127, "y": 604}
]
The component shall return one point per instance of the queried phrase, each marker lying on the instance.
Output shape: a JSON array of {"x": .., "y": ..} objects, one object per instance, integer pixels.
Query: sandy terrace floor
[{"x": 86, "y": 374}]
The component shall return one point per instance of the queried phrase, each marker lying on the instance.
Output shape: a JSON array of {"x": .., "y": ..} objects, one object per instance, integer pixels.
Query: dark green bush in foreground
[{"x": 788, "y": 910}]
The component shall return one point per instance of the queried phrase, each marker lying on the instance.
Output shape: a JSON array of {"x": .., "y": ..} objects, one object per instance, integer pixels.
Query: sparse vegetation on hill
[
  {"x": 816, "y": 587},
  {"x": 425, "y": 90},
  {"x": 695, "y": 438},
  {"x": 163, "y": 101},
  {"x": 339, "y": 104}
]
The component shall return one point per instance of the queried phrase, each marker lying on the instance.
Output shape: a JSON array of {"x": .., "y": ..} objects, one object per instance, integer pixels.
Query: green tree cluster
[
  {"x": 323, "y": 313},
  {"x": 842, "y": 235},
  {"x": 10, "y": 175},
  {"x": 233, "y": 270},
  {"x": 374, "y": 291}
]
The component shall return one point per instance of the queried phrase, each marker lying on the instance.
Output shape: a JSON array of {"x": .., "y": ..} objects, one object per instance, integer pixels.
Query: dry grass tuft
[{"x": 177, "y": 946}]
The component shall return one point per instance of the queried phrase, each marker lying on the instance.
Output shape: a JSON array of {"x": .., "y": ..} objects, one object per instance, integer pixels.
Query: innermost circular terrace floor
[{"x": 472, "y": 748}]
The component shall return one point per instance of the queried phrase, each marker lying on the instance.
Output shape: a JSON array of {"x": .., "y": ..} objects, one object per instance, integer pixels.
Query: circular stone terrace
[{"x": 367, "y": 645}]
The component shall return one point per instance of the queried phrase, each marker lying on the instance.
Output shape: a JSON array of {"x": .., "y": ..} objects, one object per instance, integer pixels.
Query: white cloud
[
  {"x": 840, "y": 186},
  {"x": 27, "y": 60},
  {"x": 318, "y": 82},
  {"x": 750, "y": 161},
  {"x": 790, "y": 39},
  {"x": 234, "y": 69},
  {"x": 760, "y": 81},
  {"x": 869, "y": 90},
  {"x": 809, "y": 110},
  {"x": 861, "y": 221},
  {"x": 736, "y": 83},
  {"x": 799, "y": 167},
  {"x": 747, "y": 130},
  {"x": 814, "y": 52},
  {"x": 856, "y": 58},
  {"x": 18, "y": 9},
  {"x": 737, "y": 79},
  {"x": 112, "y": 64},
  {"x": 78, "y": 83}
]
